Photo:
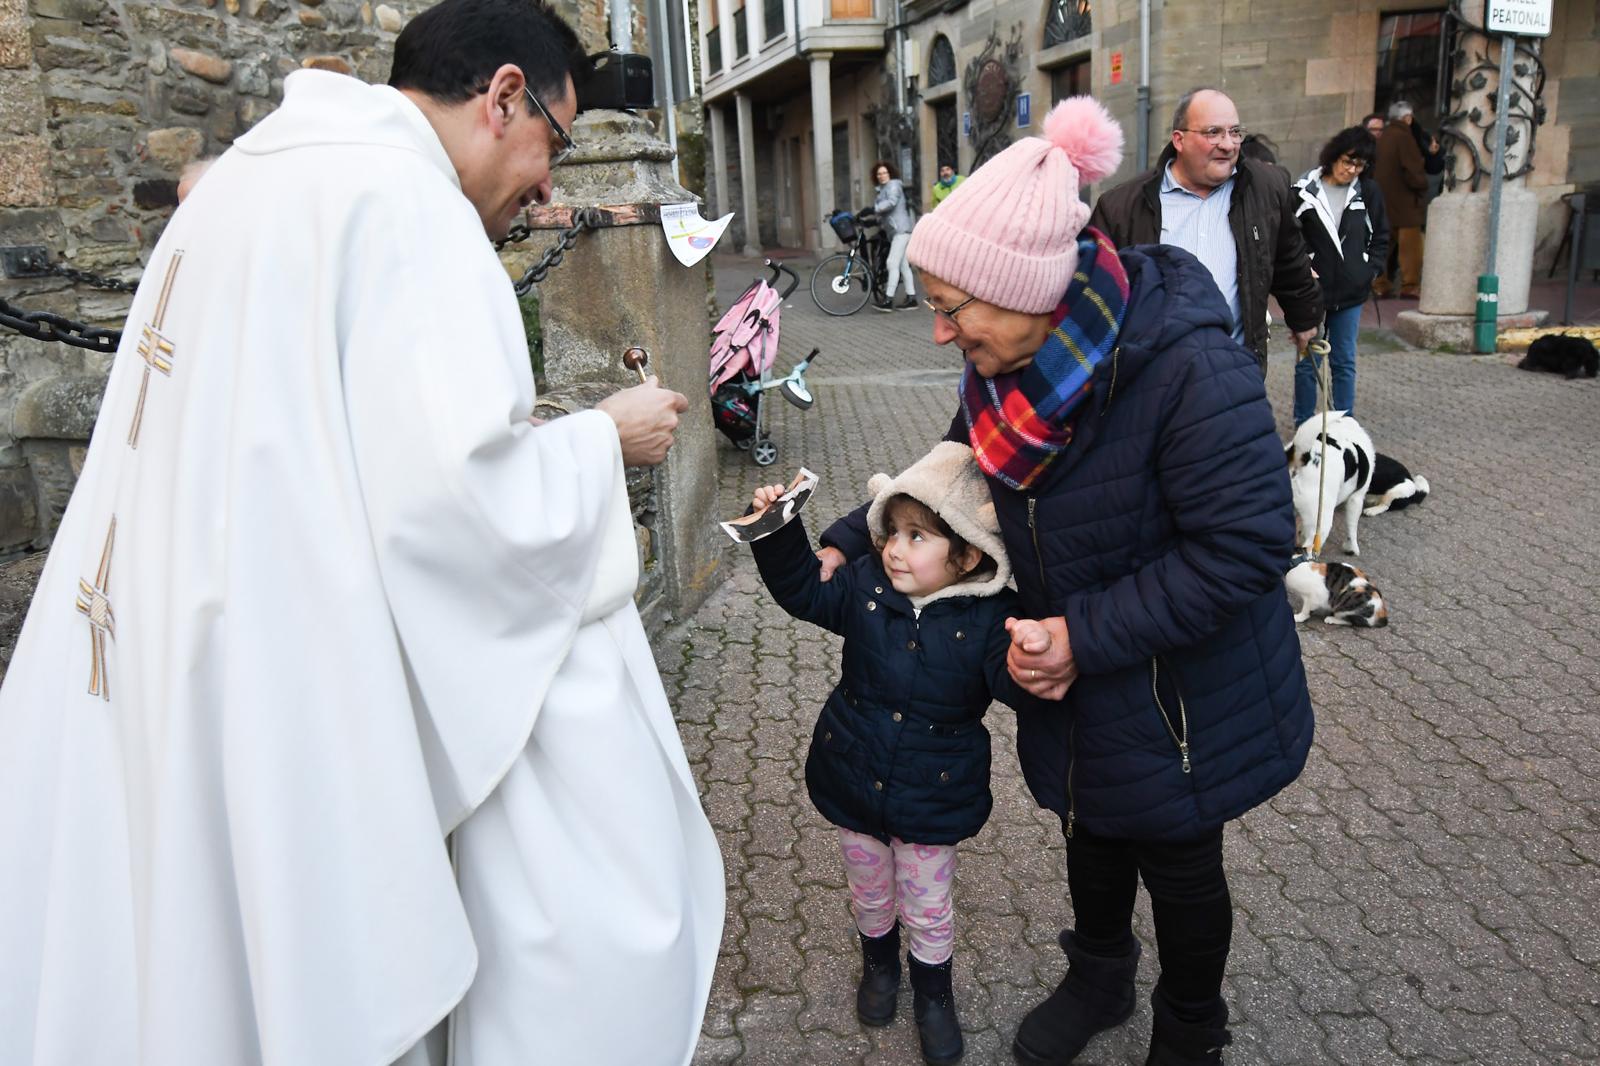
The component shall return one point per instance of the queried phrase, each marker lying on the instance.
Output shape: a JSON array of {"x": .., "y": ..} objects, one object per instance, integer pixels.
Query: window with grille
[
  {"x": 1066, "y": 20},
  {"x": 941, "y": 62}
]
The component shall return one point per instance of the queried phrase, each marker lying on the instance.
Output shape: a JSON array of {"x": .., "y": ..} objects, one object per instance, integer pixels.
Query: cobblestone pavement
[{"x": 1426, "y": 893}]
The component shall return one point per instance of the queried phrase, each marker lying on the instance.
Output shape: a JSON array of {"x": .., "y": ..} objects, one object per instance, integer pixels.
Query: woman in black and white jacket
[{"x": 1347, "y": 234}]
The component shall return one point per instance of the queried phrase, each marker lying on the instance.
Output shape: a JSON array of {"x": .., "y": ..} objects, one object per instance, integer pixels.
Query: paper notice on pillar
[{"x": 688, "y": 235}]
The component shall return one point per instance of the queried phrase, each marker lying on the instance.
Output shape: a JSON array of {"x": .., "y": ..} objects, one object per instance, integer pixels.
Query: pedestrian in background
[
  {"x": 948, "y": 180},
  {"x": 1401, "y": 173},
  {"x": 1342, "y": 215},
  {"x": 899, "y": 760},
  {"x": 894, "y": 214},
  {"x": 1232, "y": 213}
]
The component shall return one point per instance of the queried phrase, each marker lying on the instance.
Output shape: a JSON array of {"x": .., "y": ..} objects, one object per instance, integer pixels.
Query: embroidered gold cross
[
  {"x": 154, "y": 348},
  {"x": 93, "y": 603}
]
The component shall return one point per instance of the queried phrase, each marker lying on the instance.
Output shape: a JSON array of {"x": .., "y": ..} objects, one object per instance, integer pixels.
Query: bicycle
[{"x": 844, "y": 282}]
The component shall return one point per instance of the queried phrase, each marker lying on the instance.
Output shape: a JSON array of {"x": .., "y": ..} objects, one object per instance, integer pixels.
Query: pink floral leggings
[{"x": 917, "y": 877}]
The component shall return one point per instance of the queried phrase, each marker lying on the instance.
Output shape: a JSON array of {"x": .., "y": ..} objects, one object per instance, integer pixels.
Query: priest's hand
[{"x": 646, "y": 417}]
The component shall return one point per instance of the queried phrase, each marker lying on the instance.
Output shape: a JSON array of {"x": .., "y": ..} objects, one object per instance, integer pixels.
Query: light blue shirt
[{"x": 1199, "y": 225}]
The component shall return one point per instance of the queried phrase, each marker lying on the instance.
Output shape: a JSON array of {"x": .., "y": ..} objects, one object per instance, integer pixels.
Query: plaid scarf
[{"x": 1019, "y": 422}]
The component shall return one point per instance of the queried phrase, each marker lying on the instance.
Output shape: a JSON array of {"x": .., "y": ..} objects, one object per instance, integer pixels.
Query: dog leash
[{"x": 1319, "y": 347}]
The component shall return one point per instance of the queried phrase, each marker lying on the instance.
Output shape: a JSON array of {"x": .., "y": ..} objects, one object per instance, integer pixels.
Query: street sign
[
  {"x": 1116, "y": 68},
  {"x": 966, "y": 124},
  {"x": 1525, "y": 18},
  {"x": 1024, "y": 110}
]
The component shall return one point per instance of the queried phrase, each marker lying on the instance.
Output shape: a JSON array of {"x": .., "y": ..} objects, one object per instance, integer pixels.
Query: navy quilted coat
[
  {"x": 900, "y": 748},
  {"x": 1162, "y": 535}
]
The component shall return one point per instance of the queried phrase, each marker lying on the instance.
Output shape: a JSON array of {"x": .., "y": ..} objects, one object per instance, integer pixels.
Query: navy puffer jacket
[
  {"x": 900, "y": 748},
  {"x": 1162, "y": 535}
]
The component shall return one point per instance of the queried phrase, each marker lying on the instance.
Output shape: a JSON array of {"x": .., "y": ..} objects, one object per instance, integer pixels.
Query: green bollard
[{"x": 1488, "y": 309}]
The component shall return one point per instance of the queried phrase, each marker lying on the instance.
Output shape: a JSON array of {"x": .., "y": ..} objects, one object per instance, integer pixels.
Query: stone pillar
[
  {"x": 747, "y": 175},
  {"x": 719, "y": 157},
  {"x": 1458, "y": 220},
  {"x": 822, "y": 142},
  {"x": 620, "y": 286}
]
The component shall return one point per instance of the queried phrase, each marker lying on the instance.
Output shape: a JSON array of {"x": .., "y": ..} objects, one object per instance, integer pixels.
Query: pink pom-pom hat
[{"x": 1008, "y": 234}]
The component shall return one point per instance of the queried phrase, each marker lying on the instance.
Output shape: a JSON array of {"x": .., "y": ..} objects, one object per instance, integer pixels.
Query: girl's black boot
[
  {"x": 880, "y": 977},
  {"x": 1096, "y": 995},
  {"x": 938, "y": 1029},
  {"x": 1187, "y": 1035}
]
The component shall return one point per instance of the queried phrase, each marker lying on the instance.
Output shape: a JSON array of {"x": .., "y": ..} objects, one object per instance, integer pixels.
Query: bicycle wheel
[{"x": 840, "y": 285}]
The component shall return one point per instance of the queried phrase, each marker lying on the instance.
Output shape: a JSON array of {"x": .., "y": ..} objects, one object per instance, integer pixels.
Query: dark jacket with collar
[
  {"x": 1271, "y": 252},
  {"x": 900, "y": 748},
  {"x": 1162, "y": 535},
  {"x": 1346, "y": 257}
]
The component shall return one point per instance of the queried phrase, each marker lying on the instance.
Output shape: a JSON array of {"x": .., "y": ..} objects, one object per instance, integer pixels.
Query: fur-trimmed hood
[{"x": 949, "y": 482}]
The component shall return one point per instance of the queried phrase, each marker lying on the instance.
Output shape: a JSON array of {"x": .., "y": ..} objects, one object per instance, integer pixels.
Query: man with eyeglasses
[
  {"x": 1235, "y": 215},
  {"x": 333, "y": 716}
]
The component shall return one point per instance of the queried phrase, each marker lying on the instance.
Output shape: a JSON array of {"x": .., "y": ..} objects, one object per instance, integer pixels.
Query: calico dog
[
  {"x": 1562, "y": 353},
  {"x": 1338, "y": 592},
  {"x": 1345, "y": 485},
  {"x": 1393, "y": 487}
]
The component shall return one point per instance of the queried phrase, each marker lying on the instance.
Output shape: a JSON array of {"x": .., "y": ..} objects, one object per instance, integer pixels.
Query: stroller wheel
[
  {"x": 742, "y": 445},
  {"x": 764, "y": 452},
  {"x": 797, "y": 393}
]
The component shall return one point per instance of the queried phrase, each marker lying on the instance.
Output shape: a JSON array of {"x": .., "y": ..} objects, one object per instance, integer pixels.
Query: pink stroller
[{"x": 743, "y": 350}]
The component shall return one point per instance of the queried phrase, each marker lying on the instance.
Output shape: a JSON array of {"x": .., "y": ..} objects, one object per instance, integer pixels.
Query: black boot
[
  {"x": 1096, "y": 995},
  {"x": 934, "y": 1004},
  {"x": 880, "y": 977},
  {"x": 1196, "y": 1038}
]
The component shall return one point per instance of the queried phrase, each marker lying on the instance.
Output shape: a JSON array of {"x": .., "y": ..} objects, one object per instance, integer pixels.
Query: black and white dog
[
  {"x": 1344, "y": 486},
  {"x": 1393, "y": 487}
]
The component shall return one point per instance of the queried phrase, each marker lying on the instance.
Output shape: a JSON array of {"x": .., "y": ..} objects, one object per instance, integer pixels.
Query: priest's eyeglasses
[{"x": 562, "y": 154}]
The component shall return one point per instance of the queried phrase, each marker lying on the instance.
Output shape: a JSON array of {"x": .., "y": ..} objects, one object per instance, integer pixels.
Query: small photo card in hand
[{"x": 755, "y": 526}]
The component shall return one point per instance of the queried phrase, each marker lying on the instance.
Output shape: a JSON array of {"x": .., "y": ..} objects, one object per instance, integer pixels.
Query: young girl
[{"x": 899, "y": 758}]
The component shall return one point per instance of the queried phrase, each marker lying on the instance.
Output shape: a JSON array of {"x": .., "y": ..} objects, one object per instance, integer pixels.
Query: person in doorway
[
  {"x": 1401, "y": 172},
  {"x": 899, "y": 759},
  {"x": 948, "y": 180},
  {"x": 324, "y": 594},
  {"x": 1234, "y": 214},
  {"x": 1342, "y": 215},
  {"x": 1374, "y": 124},
  {"x": 1138, "y": 479},
  {"x": 894, "y": 214}
]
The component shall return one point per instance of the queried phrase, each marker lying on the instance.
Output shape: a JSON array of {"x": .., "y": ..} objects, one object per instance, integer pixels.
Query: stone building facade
[{"x": 950, "y": 80}]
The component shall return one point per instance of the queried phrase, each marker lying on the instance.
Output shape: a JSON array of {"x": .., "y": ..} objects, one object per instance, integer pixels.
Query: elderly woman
[
  {"x": 1341, "y": 213},
  {"x": 1140, "y": 487}
]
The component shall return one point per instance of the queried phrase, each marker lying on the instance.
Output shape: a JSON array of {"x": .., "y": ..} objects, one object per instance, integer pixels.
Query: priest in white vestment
[{"x": 323, "y": 596}]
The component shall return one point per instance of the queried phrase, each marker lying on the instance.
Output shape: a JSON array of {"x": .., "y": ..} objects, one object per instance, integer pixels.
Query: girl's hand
[
  {"x": 765, "y": 497},
  {"x": 1048, "y": 672}
]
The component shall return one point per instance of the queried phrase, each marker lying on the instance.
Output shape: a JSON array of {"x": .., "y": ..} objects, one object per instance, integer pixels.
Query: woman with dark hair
[
  {"x": 895, "y": 216},
  {"x": 1341, "y": 213}
]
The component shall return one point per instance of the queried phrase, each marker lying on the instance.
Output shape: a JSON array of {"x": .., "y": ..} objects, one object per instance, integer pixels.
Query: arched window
[
  {"x": 941, "y": 62},
  {"x": 1066, "y": 20}
]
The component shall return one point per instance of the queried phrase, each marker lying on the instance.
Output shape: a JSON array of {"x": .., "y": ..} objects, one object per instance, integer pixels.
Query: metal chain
[
  {"x": 96, "y": 281},
  {"x": 586, "y": 218},
  {"x": 48, "y": 326}
]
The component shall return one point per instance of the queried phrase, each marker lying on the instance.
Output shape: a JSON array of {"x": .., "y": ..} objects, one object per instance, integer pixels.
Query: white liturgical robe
[{"x": 322, "y": 596}]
